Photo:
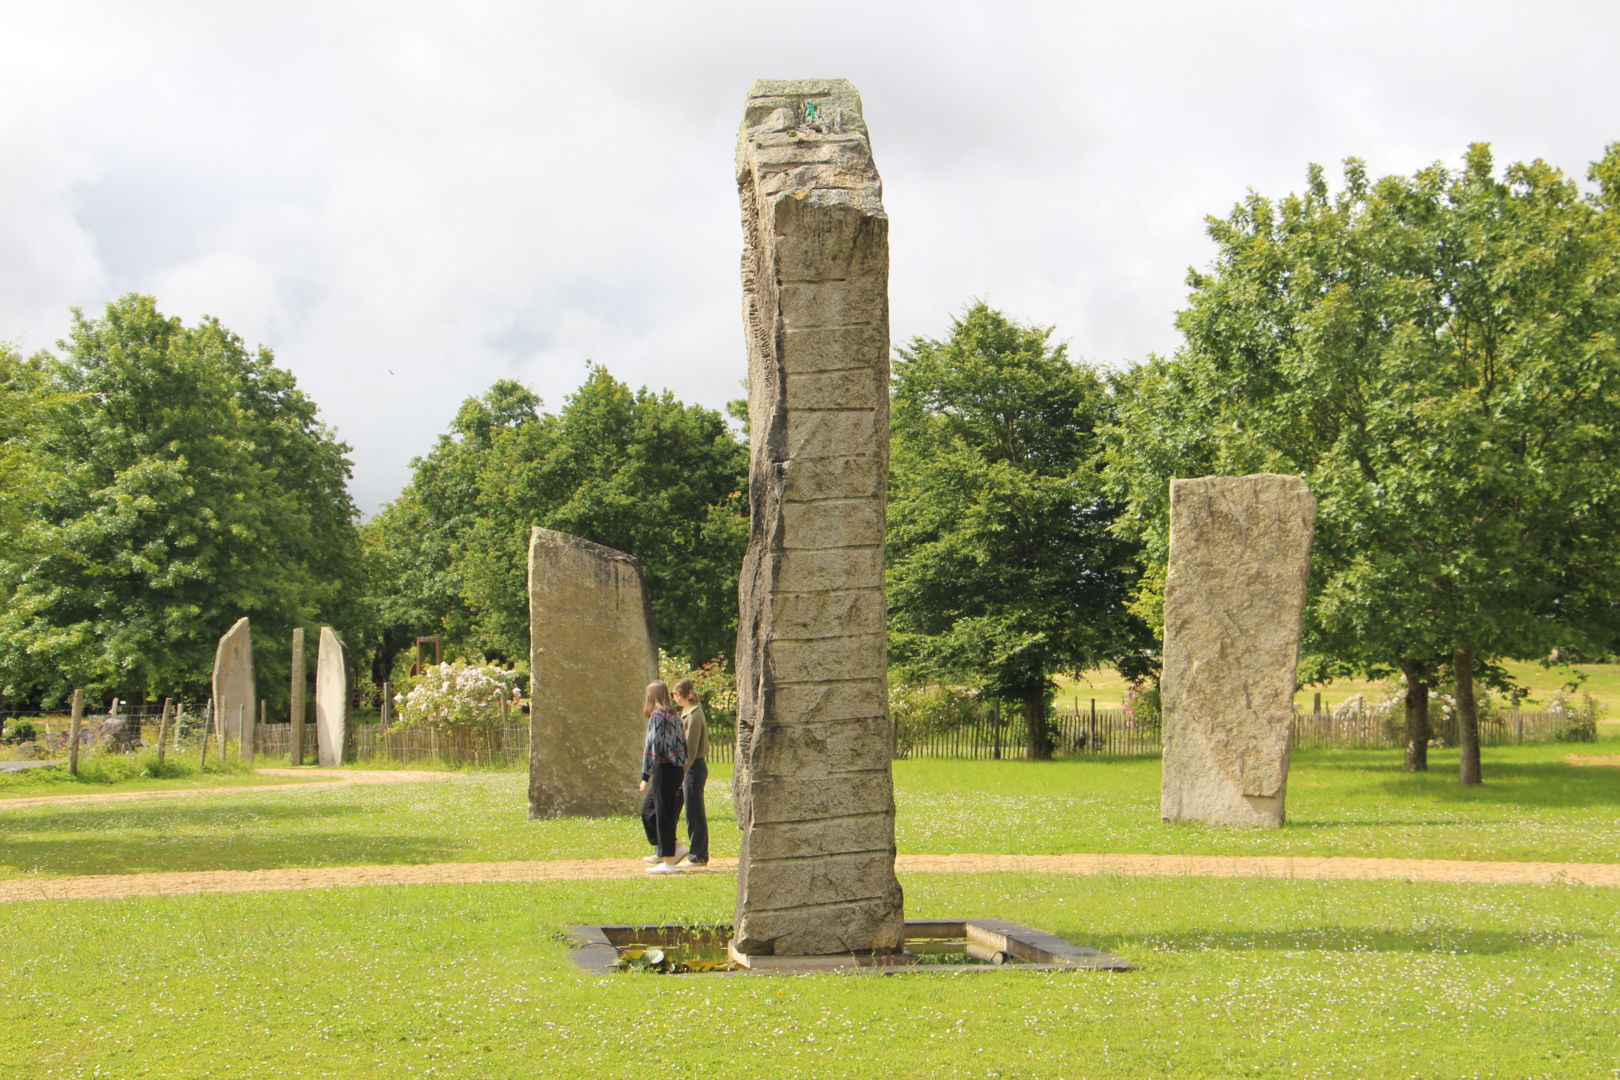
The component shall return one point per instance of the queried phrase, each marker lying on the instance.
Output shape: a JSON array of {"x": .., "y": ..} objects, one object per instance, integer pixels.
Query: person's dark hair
[
  {"x": 685, "y": 689},
  {"x": 657, "y": 698}
]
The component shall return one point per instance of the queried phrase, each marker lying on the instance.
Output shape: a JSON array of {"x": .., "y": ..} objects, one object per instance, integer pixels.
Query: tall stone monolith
[
  {"x": 235, "y": 694},
  {"x": 295, "y": 714},
  {"x": 331, "y": 698},
  {"x": 593, "y": 648},
  {"x": 1240, "y": 549},
  {"x": 814, "y": 793}
]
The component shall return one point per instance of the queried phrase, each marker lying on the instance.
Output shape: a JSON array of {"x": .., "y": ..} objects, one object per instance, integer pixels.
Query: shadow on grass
[
  {"x": 1442, "y": 939},
  {"x": 144, "y": 854},
  {"x": 1528, "y": 784}
]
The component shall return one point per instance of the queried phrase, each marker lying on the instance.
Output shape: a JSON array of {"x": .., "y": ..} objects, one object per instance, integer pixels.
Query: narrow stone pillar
[
  {"x": 1234, "y": 596},
  {"x": 814, "y": 793},
  {"x": 593, "y": 648},
  {"x": 331, "y": 698},
  {"x": 235, "y": 692},
  {"x": 299, "y": 683},
  {"x": 74, "y": 722}
]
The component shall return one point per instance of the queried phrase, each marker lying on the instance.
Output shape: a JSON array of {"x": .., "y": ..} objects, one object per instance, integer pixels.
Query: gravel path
[{"x": 1604, "y": 875}]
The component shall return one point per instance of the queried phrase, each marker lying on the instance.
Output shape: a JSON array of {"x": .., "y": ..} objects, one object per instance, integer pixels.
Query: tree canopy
[
  {"x": 1437, "y": 356},
  {"x": 192, "y": 484},
  {"x": 635, "y": 470},
  {"x": 1003, "y": 566}
]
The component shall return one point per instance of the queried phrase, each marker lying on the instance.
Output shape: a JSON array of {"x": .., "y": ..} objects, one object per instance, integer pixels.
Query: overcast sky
[{"x": 407, "y": 201}]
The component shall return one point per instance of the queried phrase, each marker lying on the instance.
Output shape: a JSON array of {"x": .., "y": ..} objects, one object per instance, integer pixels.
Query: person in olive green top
[{"x": 697, "y": 771}]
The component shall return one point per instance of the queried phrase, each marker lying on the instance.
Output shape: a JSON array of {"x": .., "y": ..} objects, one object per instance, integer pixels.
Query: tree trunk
[
  {"x": 1038, "y": 741},
  {"x": 1417, "y": 717},
  {"x": 1462, "y": 663}
]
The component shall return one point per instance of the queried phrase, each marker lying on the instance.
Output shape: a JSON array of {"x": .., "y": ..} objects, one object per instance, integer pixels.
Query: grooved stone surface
[
  {"x": 1234, "y": 596},
  {"x": 235, "y": 695},
  {"x": 593, "y": 649},
  {"x": 813, "y": 788},
  {"x": 331, "y": 698}
]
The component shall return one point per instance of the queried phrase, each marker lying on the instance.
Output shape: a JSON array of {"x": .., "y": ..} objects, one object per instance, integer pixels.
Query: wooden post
[
  {"x": 163, "y": 729},
  {"x": 247, "y": 734},
  {"x": 73, "y": 732},
  {"x": 387, "y": 704},
  {"x": 208, "y": 725},
  {"x": 296, "y": 746}
]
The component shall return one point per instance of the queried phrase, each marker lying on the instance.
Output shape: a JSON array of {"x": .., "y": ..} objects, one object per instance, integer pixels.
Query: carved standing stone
[
  {"x": 1240, "y": 549},
  {"x": 812, "y": 781},
  {"x": 235, "y": 696},
  {"x": 593, "y": 648},
  {"x": 295, "y": 746},
  {"x": 331, "y": 698}
]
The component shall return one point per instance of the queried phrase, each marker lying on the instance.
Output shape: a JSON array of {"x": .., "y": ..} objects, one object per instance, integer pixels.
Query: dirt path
[
  {"x": 1611, "y": 761},
  {"x": 335, "y": 778},
  {"x": 1606, "y": 875}
]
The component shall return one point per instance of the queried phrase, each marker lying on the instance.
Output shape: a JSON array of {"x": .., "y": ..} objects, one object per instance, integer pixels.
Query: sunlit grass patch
[{"x": 1255, "y": 978}]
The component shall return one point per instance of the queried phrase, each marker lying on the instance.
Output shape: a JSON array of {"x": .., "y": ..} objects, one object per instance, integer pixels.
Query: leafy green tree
[
  {"x": 193, "y": 484},
  {"x": 1003, "y": 568},
  {"x": 1436, "y": 355},
  {"x": 634, "y": 470}
]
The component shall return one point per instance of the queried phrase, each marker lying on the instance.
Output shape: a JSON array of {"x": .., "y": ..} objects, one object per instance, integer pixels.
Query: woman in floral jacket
[{"x": 663, "y": 769}]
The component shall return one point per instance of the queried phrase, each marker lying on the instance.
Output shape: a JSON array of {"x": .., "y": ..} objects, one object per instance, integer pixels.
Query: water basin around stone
[{"x": 937, "y": 945}]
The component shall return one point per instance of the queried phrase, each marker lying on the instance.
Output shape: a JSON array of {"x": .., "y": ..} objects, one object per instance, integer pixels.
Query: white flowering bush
[{"x": 459, "y": 696}]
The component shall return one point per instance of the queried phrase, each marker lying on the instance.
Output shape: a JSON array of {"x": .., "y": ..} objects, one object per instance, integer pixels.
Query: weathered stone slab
[
  {"x": 295, "y": 748},
  {"x": 593, "y": 649},
  {"x": 1234, "y": 596},
  {"x": 235, "y": 691},
  {"x": 331, "y": 698},
  {"x": 813, "y": 788}
]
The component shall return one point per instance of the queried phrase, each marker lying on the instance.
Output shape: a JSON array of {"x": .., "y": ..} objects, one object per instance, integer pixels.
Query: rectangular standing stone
[
  {"x": 331, "y": 699},
  {"x": 235, "y": 693},
  {"x": 295, "y": 717},
  {"x": 1234, "y": 597},
  {"x": 593, "y": 648},
  {"x": 812, "y": 781}
]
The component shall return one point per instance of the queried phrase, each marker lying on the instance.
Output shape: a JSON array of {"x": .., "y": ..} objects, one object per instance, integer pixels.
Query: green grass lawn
[
  {"x": 1274, "y": 979},
  {"x": 1602, "y": 680},
  {"x": 1533, "y": 806}
]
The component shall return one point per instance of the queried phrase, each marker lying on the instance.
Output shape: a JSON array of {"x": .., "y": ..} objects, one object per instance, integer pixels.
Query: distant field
[{"x": 1602, "y": 680}]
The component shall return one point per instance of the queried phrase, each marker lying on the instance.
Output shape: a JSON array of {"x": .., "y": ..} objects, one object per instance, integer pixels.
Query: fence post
[
  {"x": 387, "y": 712},
  {"x": 208, "y": 725},
  {"x": 73, "y": 732},
  {"x": 1316, "y": 702},
  {"x": 163, "y": 729},
  {"x": 1092, "y": 742}
]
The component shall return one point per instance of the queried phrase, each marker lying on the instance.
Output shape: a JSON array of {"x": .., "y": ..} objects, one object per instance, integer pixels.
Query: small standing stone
[
  {"x": 234, "y": 688},
  {"x": 331, "y": 698},
  {"x": 593, "y": 648},
  {"x": 1234, "y": 597},
  {"x": 296, "y": 735}
]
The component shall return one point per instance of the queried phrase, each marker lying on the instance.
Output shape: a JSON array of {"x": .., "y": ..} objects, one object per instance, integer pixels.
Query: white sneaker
[
  {"x": 662, "y": 868},
  {"x": 681, "y": 851},
  {"x": 649, "y": 858}
]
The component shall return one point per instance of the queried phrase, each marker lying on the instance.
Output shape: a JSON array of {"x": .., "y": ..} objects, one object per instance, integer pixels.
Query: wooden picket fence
[{"x": 1078, "y": 731}]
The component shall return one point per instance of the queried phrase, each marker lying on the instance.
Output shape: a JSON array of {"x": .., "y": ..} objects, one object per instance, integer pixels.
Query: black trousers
[
  {"x": 661, "y": 809},
  {"x": 697, "y": 817}
]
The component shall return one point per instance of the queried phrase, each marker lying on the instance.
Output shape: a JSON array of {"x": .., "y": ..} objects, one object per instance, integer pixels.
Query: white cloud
[{"x": 407, "y": 202}]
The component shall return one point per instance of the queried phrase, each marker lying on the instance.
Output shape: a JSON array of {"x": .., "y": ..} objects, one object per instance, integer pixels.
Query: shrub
[
  {"x": 1577, "y": 721},
  {"x": 920, "y": 711},
  {"x": 459, "y": 697},
  {"x": 714, "y": 683},
  {"x": 20, "y": 731},
  {"x": 1142, "y": 706}
]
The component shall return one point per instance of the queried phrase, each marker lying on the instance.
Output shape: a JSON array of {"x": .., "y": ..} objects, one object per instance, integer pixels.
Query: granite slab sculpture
[
  {"x": 331, "y": 698},
  {"x": 1234, "y": 597},
  {"x": 593, "y": 648},
  {"x": 814, "y": 793},
  {"x": 235, "y": 691}
]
